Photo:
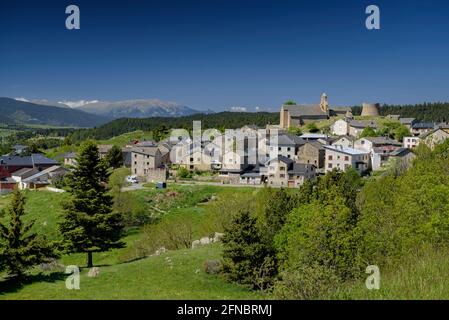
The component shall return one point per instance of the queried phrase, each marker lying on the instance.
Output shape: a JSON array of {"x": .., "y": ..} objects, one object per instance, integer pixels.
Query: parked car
[
  {"x": 132, "y": 179},
  {"x": 161, "y": 185}
]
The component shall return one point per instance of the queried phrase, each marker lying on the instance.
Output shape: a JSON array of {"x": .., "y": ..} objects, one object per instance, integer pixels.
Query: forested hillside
[
  {"x": 222, "y": 120},
  {"x": 431, "y": 112}
]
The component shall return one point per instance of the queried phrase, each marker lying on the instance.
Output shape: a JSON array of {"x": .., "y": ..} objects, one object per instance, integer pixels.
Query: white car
[{"x": 132, "y": 179}]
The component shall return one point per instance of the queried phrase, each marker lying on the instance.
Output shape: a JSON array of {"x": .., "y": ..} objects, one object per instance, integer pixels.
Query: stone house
[
  {"x": 437, "y": 136},
  {"x": 299, "y": 173},
  {"x": 357, "y": 127},
  {"x": 342, "y": 158},
  {"x": 311, "y": 152},
  {"x": 345, "y": 141},
  {"x": 408, "y": 122},
  {"x": 144, "y": 159},
  {"x": 277, "y": 172},
  {"x": 285, "y": 145}
]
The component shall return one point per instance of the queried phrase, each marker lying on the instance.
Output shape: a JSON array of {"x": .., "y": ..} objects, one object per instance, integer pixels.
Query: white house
[
  {"x": 411, "y": 142},
  {"x": 345, "y": 141},
  {"x": 340, "y": 127}
]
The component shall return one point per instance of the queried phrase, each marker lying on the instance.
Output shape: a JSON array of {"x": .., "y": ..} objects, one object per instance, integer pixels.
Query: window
[
  {"x": 148, "y": 163},
  {"x": 279, "y": 149},
  {"x": 330, "y": 157},
  {"x": 346, "y": 158},
  {"x": 288, "y": 156},
  {"x": 329, "y": 165},
  {"x": 288, "y": 149},
  {"x": 135, "y": 162},
  {"x": 282, "y": 168},
  {"x": 282, "y": 175}
]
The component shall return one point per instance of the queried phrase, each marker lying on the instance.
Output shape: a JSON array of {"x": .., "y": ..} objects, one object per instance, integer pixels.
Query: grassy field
[
  {"x": 177, "y": 274},
  {"x": 174, "y": 275},
  {"x": 126, "y": 138},
  {"x": 423, "y": 277}
]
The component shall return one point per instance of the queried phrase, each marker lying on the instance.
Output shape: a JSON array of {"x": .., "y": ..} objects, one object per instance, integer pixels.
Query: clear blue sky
[{"x": 214, "y": 54}]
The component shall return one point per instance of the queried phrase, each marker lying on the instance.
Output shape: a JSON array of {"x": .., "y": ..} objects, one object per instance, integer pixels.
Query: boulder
[
  {"x": 160, "y": 251},
  {"x": 205, "y": 240},
  {"x": 218, "y": 236},
  {"x": 195, "y": 244},
  {"x": 212, "y": 266}
]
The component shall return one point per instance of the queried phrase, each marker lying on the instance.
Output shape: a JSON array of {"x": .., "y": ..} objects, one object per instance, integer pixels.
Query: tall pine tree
[
  {"x": 89, "y": 224},
  {"x": 114, "y": 157},
  {"x": 21, "y": 249}
]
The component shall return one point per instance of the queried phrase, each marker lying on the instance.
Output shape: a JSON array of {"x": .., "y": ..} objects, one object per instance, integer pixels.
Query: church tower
[{"x": 324, "y": 105}]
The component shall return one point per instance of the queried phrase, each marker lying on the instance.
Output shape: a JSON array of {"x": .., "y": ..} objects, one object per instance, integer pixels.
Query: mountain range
[{"x": 85, "y": 113}]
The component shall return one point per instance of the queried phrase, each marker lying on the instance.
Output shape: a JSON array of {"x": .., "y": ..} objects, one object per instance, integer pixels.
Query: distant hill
[
  {"x": 25, "y": 113},
  {"x": 137, "y": 109}
]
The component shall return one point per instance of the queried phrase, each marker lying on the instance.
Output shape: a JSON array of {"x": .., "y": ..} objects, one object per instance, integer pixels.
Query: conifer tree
[
  {"x": 89, "y": 224},
  {"x": 114, "y": 157},
  {"x": 21, "y": 249},
  {"x": 245, "y": 258}
]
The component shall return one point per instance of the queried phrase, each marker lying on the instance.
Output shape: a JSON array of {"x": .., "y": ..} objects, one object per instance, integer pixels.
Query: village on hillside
[{"x": 275, "y": 156}]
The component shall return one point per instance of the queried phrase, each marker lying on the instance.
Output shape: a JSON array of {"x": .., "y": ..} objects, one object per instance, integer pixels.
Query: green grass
[
  {"x": 147, "y": 278},
  {"x": 126, "y": 138},
  {"x": 420, "y": 277},
  {"x": 43, "y": 207},
  {"x": 150, "y": 278}
]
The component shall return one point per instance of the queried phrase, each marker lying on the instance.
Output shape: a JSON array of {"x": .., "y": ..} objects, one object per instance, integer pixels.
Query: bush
[{"x": 183, "y": 173}]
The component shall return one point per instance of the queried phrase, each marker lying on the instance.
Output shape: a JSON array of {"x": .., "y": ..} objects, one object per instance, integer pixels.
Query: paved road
[
  {"x": 136, "y": 186},
  {"x": 139, "y": 186}
]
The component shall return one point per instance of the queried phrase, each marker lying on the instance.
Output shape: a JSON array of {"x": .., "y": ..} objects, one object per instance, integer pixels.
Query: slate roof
[
  {"x": 25, "y": 172},
  {"x": 287, "y": 139},
  {"x": 383, "y": 140},
  {"x": 283, "y": 159},
  {"x": 26, "y": 161},
  {"x": 423, "y": 125},
  {"x": 363, "y": 124},
  {"x": 151, "y": 151},
  {"x": 305, "y": 110},
  {"x": 42, "y": 173},
  {"x": 407, "y": 120},
  {"x": 301, "y": 168},
  {"x": 400, "y": 152},
  {"x": 346, "y": 150}
]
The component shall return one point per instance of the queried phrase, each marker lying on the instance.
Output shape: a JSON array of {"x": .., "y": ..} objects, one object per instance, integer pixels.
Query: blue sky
[{"x": 216, "y": 54}]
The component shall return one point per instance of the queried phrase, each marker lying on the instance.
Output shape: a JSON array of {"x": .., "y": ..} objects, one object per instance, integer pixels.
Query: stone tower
[
  {"x": 370, "y": 109},
  {"x": 324, "y": 104}
]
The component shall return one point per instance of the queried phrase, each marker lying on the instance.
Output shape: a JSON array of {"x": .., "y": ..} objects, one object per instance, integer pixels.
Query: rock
[
  {"x": 213, "y": 198},
  {"x": 205, "y": 240},
  {"x": 195, "y": 244},
  {"x": 218, "y": 236},
  {"x": 94, "y": 272},
  {"x": 160, "y": 251},
  {"x": 212, "y": 266}
]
